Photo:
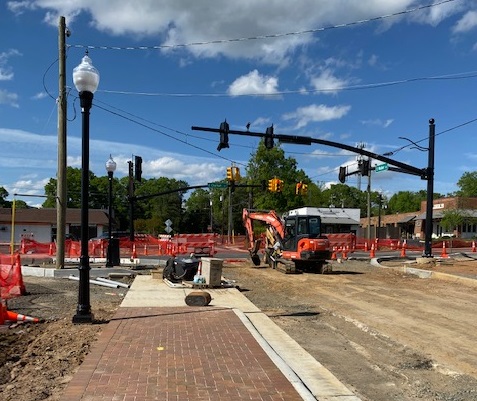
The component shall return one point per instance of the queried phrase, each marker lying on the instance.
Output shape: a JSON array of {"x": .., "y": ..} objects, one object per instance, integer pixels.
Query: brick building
[{"x": 412, "y": 225}]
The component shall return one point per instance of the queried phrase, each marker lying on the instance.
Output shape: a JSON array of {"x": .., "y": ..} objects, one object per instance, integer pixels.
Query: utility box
[{"x": 212, "y": 271}]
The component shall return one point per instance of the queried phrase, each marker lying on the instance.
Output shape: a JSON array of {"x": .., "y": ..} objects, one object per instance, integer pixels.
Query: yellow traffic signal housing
[
  {"x": 236, "y": 173},
  {"x": 230, "y": 175},
  {"x": 279, "y": 185},
  {"x": 298, "y": 187},
  {"x": 304, "y": 189},
  {"x": 272, "y": 187}
]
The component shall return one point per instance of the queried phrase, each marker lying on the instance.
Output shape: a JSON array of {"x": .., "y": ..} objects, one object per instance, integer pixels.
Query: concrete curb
[{"x": 421, "y": 273}]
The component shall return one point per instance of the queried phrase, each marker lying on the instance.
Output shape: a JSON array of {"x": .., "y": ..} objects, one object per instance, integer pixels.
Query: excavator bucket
[{"x": 254, "y": 253}]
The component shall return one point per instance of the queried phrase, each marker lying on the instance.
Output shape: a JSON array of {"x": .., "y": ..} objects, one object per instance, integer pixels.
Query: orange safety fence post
[
  {"x": 399, "y": 245},
  {"x": 3, "y": 309},
  {"x": 145, "y": 249},
  {"x": 102, "y": 249},
  {"x": 50, "y": 251},
  {"x": 23, "y": 246},
  {"x": 366, "y": 246},
  {"x": 473, "y": 246},
  {"x": 372, "y": 253},
  {"x": 444, "y": 251}
]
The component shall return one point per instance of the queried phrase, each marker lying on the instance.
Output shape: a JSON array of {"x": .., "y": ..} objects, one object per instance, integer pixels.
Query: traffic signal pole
[{"x": 424, "y": 173}]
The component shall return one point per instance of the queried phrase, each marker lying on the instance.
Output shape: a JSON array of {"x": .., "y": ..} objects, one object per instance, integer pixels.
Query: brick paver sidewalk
[{"x": 179, "y": 353}]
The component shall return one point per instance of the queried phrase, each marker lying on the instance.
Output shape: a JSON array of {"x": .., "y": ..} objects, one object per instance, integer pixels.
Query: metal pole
[
  {"x": 369, "y": 202},
  {"x": 109, "y": 262},
  {"x": 229, "y": 230},
  {"x": 379, "y": 216},
  {"x": 131, "y": 203},
  {"x": 83, "y": 310},
  {"x": 61, "y": 193},
  {"x": 211, "y": 221},
  {"x": 430, "y": 191}
]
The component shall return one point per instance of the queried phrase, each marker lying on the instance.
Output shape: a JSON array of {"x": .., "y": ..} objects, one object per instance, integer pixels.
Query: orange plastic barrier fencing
[{"x": 11, "y": 279}]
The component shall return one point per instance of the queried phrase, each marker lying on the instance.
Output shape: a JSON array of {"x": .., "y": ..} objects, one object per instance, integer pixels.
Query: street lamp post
[
  {"x": 86, "y": 80},
  {"x": 110, "y": 168}
]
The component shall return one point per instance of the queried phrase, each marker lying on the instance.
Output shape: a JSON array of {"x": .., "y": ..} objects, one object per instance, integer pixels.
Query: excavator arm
[{"x": 274, "y": 234}]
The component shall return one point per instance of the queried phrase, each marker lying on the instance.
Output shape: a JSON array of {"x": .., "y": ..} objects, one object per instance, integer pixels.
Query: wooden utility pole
[{"x": 61, "y": 201}]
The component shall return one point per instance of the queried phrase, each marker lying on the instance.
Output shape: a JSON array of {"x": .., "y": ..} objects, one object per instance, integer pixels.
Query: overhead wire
[
  {"x": 149, "y": 127},
  {"x": 268, "y": 36}
]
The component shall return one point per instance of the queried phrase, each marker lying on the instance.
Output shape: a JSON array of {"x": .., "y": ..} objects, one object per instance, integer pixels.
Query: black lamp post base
[{"x": 83, "y": 318}]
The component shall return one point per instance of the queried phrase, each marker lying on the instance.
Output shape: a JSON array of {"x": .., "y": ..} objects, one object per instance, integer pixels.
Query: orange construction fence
[
  {"x": 11, "y": 278},
  {"x": 143, "y": 245}
]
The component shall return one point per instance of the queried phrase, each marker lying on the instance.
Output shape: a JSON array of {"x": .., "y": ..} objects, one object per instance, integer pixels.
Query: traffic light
[
  {"x": 138, "y": 168},
  {"x": 279, "y": 185},
  {"x": 364, "y": 167},
  {"x": 342, "y": 174},
  {"x": 304, "y": 189},
  {"x": 298, "y": 188},
  {"x": 236, "y": 173},
  {"x": 230, "y": 174},
  {"x": 269, "y": 138},
  {"x": 272, "y": 185},
  {"x": 224, "y": 136}
]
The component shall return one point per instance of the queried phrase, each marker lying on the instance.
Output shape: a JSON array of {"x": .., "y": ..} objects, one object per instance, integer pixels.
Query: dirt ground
[{"x": 385, "y": 334}]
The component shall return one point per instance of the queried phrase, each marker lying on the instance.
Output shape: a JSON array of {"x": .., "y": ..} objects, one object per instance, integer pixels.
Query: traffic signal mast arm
[{"x": 304, "y": 140}]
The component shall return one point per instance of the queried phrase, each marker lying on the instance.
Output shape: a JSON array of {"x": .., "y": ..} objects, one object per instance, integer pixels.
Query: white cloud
[
  {"x": 378, "y": 122},
  {"x": 8, "y": 98},
  {"x": 316, "y": 113},
  {"x": 328, "y": 83},
  {"x": 6, "y": 73},
  {"x": 466, "y": 23},
  {"x": 40, "y": 95},
  {"x": 185, "y": 21},
  {"x": 254, "y": 83}
]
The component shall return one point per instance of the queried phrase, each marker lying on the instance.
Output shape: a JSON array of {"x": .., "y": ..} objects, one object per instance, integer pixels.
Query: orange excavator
[{"x": 292, "y": 245}]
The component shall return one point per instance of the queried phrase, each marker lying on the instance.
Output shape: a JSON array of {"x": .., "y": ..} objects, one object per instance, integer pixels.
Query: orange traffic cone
[
  {"x": 134, "y": 253},
  {"x": 372, "y": 253},
  {"x": 333, "y": 255},
  {"x": 403, "y": 250},
  {"x": 473, "y": 246},
  {"x": 344, "y": 255},
  {"x": 444, "y": 250},
  {"x": 50, "y": 251},
  {"x": 18, "y": 317}
]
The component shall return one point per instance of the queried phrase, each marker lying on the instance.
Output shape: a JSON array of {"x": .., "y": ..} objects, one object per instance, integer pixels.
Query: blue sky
[{"x": 372, "y": 74}]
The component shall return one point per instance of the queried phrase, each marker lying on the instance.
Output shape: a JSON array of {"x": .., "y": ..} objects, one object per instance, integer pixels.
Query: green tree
[
  {"x": 151, "y": 213},
  {"x": 198, "y": 211},
  {"x": 467, "y": 184},
  {"x": 266, "y": 164}
]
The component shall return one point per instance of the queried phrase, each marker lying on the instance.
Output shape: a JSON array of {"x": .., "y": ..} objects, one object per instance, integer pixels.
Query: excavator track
[{"x": 286, "y": 266}]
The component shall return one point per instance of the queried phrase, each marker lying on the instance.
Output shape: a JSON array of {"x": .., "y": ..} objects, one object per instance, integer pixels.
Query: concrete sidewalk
[{"x": 158, "y": 348}]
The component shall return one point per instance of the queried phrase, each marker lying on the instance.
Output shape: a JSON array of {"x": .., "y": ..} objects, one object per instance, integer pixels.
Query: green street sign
[
  {"x": 381, "y": 167},
  {"x": 217, "y": 185}
]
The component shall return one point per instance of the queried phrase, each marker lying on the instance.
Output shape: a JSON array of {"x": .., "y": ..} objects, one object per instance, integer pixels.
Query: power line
[
  {"x": 270, "y": 36},
  {"x": 134, "y": 119},
  {"x": 462, "y": 75}
]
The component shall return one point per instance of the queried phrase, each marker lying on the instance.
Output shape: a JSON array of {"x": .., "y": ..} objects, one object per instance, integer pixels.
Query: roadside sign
[
  {"x": 217, "y": 185},
  {"x": 168, "y": 224},
  {"x": 381, "y": 167}
]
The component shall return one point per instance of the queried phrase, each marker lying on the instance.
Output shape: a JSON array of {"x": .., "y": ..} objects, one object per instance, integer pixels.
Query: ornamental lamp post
[
  {"x": 110, "y": 168},
  {"x": 86, "y": 80}
]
